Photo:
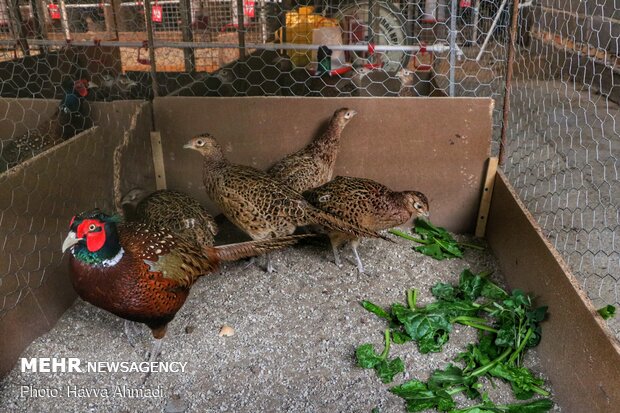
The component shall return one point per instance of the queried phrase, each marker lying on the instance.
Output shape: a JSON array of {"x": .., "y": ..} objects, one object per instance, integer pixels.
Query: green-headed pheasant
[
  {"x": 258, "y": 204},
  {"x": 314, "y": 165},
  {"x": 367, "y": 204},
  {"x": 71, "y": 117},
  {"x": 144, "y": 273},
  {"x": 173, "y": 210}
]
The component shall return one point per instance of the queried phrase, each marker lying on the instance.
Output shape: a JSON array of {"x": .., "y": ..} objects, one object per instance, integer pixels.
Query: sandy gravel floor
[{"x": 296, "y": 331}]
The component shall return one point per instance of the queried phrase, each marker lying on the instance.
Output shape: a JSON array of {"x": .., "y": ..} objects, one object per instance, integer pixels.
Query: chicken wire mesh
[{"x": 562, "y": 138}]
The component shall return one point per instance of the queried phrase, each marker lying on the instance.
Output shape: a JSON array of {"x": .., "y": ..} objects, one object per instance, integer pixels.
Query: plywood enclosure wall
[
  {"x": 580, "y": 356},
  {"x": 437, "y": 146},
  {"x": 37, "y": 200}
]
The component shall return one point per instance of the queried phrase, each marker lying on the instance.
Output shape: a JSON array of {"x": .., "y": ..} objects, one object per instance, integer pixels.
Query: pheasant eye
[
  {"x": 417, "y": 205},
  {"x": 92, "y": 227},
  {"x": 200, "y": 142}
]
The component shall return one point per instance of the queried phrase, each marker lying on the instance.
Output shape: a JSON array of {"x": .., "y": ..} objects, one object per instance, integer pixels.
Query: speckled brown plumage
[
  {"x": 258, "y": 204},
  {"x": 16, "y": 150},
  {"x": 368, "y": 204},
  {"x": 173, "y": 210},
  {"x": 140, "y": 272},
  {"x": 314, "y": 165}
]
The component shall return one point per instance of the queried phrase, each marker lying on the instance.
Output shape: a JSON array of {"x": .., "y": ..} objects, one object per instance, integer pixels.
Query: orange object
[{"x": 299, "y": 27}]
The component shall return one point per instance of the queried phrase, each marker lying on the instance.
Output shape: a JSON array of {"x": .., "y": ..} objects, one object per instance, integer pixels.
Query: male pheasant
[
  {"x": 140, "y": 272},
  {"x": 173, "y": 210},
  {"x": 365, "y": 203},
  {"x": 258, "y": 204},
  {"x": 71, "y": 117},
  {"x": 314, "y": 165}
]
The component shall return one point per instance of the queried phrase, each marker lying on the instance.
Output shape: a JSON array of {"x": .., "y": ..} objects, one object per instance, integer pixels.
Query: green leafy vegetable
[
  {"x": 419, "y": 397},
  {"x": 508, "y": 325},
  {"x": 536, "y": 406},
  {"x": 375, "y": 309},
  {"x": 607, "y": 312},
  {"x": 437, "y": 242},
  {"x": 366, "y": 356},
  {"x": 385, "y": 368}
]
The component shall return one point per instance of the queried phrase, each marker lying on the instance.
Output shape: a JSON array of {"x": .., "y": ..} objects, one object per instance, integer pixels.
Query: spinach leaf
[{"x": 607, "y": 312}]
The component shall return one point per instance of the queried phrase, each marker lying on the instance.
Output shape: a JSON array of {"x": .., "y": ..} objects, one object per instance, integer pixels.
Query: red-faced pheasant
[
  {"x": 368, "y": 204},
  {"x": 173, "y": 210},
  {"x": 143, "y": 273},
  {"x": 314, "y": 165},
  {"x": 71, "y": 117},
  {"x": 258, "y": 204}
]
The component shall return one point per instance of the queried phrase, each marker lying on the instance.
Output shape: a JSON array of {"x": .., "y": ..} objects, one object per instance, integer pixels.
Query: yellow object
[{"x": 299, "y": 27}]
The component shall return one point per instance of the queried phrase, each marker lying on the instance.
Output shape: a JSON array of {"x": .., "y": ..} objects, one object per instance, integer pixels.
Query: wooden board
[
  {"x": 437, "y": 146},
  {"x": 37, "y": 200}
]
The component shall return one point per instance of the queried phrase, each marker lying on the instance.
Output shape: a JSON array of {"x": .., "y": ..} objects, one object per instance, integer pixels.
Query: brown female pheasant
[
  {"x": 258, "y": 204},
  {"x": 143, "y": 273},
  {"x": 173, "y": 210},
  {"x": 314, "y": 165},
  {"x": 368, "y": 204}
]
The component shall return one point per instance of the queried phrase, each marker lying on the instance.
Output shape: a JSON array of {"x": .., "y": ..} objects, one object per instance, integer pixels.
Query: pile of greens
[
  {"x": 436, "y": 241},
  {"x": 508, "y": 325}
]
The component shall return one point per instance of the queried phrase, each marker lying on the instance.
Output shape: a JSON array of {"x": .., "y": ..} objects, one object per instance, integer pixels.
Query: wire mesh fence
[
  {"x": 564, "y": 141},
  {"x": 562, "y": 138}
]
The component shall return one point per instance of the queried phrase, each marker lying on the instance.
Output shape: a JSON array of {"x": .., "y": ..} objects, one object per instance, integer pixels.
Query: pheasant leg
[
  {"x": 360, "y": 266},
  {"x": 155, "y": 351},
  {"x": 336, "y": 254},
  {"x": 132, "y": 331},
  {"x": 270, "y": 268}
]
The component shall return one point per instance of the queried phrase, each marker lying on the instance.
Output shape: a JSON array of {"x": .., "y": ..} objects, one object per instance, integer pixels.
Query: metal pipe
[
  {"x": 509, "y": 72},
  {"x": 476, "y": 19},
  {"x": 437, "y": 48},
  {"x": 490, "y": 33},
  {"x": 263, "y": 21},
  {"x": 64, "y": 19},
  {"x": 452, "y": 46},
  {"x": 148, "y": 15},
  {"x": 88, "y": 5}
]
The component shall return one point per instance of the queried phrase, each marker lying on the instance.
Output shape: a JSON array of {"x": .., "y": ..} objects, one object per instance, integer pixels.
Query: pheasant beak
[
  {"x": 188, "y": 146},
  {"x": 70, "y": 241}
]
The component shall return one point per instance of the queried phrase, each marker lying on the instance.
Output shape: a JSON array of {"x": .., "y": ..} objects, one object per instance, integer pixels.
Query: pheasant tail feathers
[
  {"x": 336, "y": 224},
  {"x": 233, "y": 252}
]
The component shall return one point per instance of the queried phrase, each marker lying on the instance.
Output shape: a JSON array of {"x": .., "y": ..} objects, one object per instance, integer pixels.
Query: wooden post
[
  {"x": 487, "y": 195},
  {"x": 17, "y": 26},
  {"x": 186, "y": 32},
  {"x": 119, "y": 24},
  {"x": 148, "y": 11},
  {"x": 158, "y": 160},
  {"x": 36, "y": 17},
  {"x": 241, "y": 29}
]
